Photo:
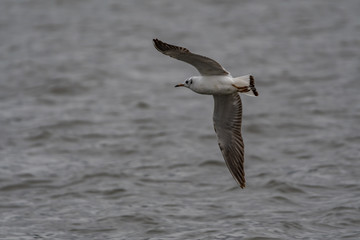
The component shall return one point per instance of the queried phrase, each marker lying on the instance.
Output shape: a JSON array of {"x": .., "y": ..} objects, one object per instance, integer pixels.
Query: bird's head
[{"x": 188, "y": 82}]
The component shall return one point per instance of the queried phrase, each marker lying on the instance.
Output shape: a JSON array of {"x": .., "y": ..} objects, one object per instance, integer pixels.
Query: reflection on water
[{"x": 97, "y": 144}]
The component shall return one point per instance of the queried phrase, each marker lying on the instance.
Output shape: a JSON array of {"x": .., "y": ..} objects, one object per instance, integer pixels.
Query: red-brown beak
[{"x": 179, "y": 85}]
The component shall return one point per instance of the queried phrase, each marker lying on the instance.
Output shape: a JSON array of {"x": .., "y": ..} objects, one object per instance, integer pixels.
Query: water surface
[{"x": 96, "y": 143}]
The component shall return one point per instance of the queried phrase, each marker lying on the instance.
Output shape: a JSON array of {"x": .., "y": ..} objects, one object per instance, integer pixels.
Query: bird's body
[
  {"x": 217, "y": 85},
  {"x": 211, "y": 85},
  {"x": 216, "y": 81}
]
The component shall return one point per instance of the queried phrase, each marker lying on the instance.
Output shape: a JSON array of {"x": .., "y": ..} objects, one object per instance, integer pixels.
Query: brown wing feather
[
  {"x": 206, "y": 66},
  {"x": 227, "y": 123}
]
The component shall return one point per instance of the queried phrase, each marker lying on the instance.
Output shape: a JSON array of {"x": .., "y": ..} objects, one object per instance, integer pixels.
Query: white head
[{"x": 188, "y": 83}]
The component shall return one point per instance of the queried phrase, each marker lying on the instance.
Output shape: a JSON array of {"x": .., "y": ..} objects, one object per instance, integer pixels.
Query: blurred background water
[{"x": 97, "y": 144}]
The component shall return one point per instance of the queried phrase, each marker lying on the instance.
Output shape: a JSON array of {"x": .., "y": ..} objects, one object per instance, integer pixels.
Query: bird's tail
[{"x": 247, "y": 81}]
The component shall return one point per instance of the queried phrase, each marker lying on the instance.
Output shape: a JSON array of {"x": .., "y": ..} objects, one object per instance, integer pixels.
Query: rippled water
[{"x": 97, "y": 144}]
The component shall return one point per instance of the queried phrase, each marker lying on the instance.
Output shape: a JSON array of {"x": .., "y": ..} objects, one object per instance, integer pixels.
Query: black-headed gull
[{"x": 216, "y": 81}]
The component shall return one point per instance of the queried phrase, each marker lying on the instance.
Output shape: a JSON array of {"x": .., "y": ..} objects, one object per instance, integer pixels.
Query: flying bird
[{"x": 227, "y": 117}]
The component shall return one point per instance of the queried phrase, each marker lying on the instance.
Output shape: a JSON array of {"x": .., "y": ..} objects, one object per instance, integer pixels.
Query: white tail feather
[{"x": 247, "y": 81}]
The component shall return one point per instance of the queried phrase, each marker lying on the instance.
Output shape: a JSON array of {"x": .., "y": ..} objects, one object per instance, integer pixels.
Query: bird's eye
[{"x": 186, "y": 82}]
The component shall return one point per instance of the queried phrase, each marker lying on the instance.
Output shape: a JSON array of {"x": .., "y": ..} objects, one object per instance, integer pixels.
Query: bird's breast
[{"x": 213, "y": 85}]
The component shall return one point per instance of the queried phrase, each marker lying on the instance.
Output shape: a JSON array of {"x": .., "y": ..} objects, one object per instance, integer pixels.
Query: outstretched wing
[
  {"x": 206, "y": 66},
  {"x": 227, "y": 124}
]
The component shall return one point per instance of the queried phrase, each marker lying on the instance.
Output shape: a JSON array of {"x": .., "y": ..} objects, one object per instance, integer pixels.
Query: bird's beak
[{"x": 179, "y": 85}]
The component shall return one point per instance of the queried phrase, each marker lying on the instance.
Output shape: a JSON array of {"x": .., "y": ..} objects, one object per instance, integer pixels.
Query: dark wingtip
[
  {"x": 242, "y": 182},
  {"x": 159, "y": 45},
  {"x": 155, "y": 41},
  {"x": 164, "y": 47}
]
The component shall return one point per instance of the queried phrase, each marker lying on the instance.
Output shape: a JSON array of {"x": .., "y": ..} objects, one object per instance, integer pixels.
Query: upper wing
[
  {"x": 206, "y": 66},
  {"x": 227, "y": 124}
]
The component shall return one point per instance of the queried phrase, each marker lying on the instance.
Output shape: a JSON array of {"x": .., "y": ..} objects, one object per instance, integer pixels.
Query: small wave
[
  {"x": 68, "y": 89},
  {"x": 211, "y": 163},
  {"x": 254, "y": 128},
  {"x": 41, "y": 135},
  {"x": 263, "y": 238},
  {"x": 136, "y": 218},
  {"x": 142, "y": 105},
  {"x": 104, "y": 175},
  {"x": 66, "y": 124},
  {"x": 68, "y": 194},
  {"x": 178, "y": 165},
  {"x": 27, "y": 184},
  {"x": 88, "y": 177},
  {"x": 283, "y": 187},
  {"x": 149, "y": 167},
  {"x": 109, "y": 192},
  {"x": 282, "y": 200}
]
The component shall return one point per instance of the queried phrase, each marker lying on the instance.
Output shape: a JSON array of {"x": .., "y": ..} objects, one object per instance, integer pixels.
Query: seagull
[{"x": 216, "y": 81}]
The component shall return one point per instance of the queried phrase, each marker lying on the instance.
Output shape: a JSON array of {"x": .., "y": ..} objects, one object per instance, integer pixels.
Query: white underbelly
[{"x": 213, "y": 85}]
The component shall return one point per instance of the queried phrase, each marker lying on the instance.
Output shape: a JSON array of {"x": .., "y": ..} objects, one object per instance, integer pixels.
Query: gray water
[{"x": 96, "y": 143}]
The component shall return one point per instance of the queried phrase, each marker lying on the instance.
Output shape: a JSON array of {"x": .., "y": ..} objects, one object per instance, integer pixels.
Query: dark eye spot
[
  {"x": 186, "y": 82},
  {"x": 190, "y": 81}
]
